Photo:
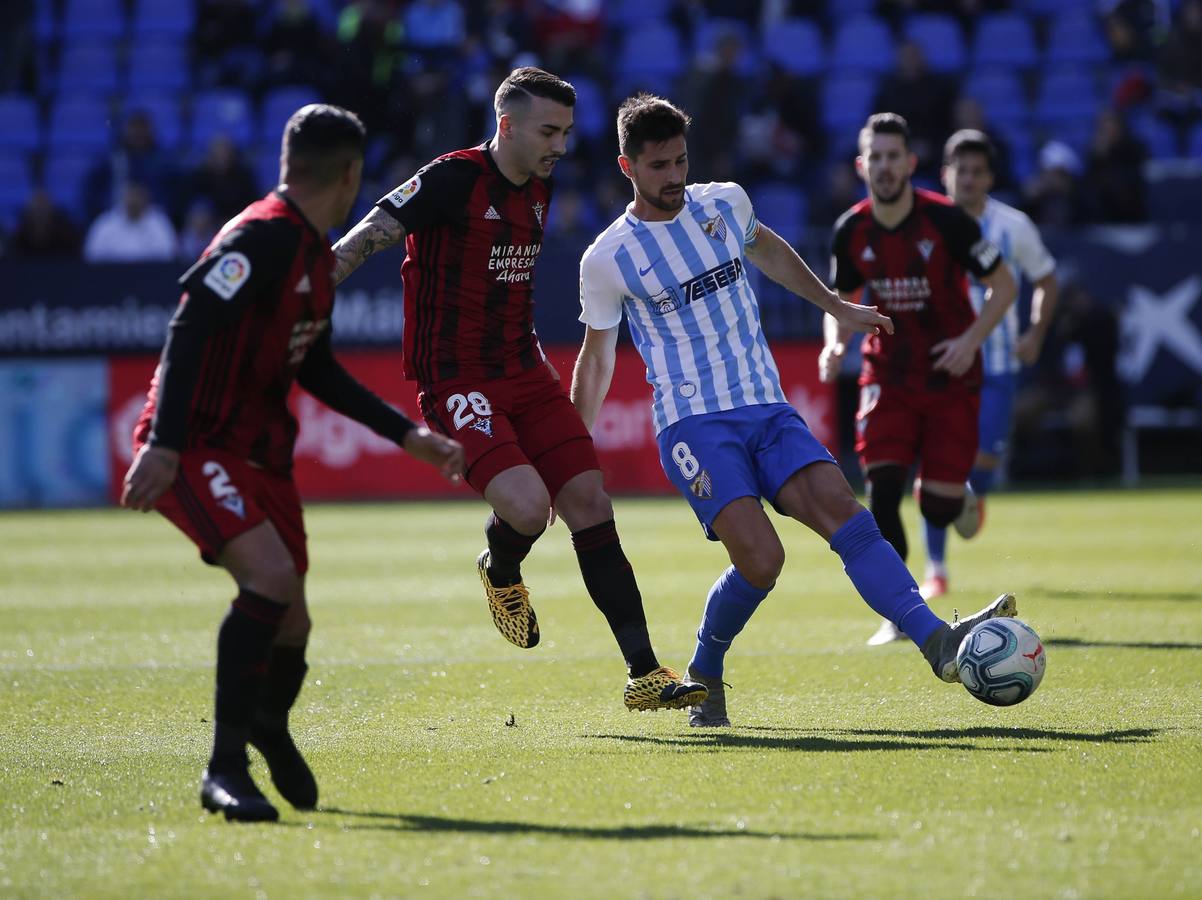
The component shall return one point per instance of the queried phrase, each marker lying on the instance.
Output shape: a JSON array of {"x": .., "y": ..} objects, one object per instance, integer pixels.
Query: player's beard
[
  {"x": 669, "y": 203},
  {"x": 880, "y": 197}
]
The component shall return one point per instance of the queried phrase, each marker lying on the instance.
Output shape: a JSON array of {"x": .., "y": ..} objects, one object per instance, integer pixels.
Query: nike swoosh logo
[{"x": 643, "y": 272}]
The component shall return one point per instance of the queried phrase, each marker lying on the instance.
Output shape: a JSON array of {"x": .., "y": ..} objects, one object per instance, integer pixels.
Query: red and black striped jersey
[
  {"x": 916, "y": 273},
  {"x": 254, "y": 303},
  {"x": 472, "y": 239}
]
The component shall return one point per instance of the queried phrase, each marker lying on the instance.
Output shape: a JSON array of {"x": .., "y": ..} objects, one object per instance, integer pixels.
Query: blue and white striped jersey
[
  {"x": 693, "y": 316},
  {"x": 1016, "y": 236}
]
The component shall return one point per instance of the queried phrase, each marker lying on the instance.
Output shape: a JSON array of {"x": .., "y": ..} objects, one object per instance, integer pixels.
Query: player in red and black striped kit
[
  {"x": 472, "y": 221},
  {"x": 911, "y": 251},
  {"x": 214, "y": 442}
]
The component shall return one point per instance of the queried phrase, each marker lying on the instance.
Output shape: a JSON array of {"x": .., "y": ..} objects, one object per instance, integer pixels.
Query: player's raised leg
[{"x": 521, "y": 504}]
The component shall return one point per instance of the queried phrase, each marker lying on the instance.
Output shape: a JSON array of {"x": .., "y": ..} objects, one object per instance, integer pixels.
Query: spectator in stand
[
  {"x": 44, "y": 231},
  {"x": 1115, "y": 173},
  {"x": 18, "y": 70},
  {"x": 1052, "y": 196},
  {"x": 569, "y": 32},
  {"x": 134, "y": 231},
  {"x": 923, "y": 99},
  {"x": 223, "y": 180},
  {"x": 200, "y": 224},
  {"x": 137, "y": 157},
  {"x": 1129, "y": 26},
  {"x": 298, "y": 49},
  {"x": 225, "y": 48},
  {"x": 370, "y": 55},
  {"x": 718, "y": 93},
  {"x": 1181, "y": 64}
]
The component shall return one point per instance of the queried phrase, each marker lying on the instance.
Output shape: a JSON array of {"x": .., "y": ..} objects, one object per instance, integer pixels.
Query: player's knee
[
  {"x": 294, "y": 631},
  {"x": 277, "y": 579},
  {"x": 761, "y": 564},
  {"x": 939, "y": 510},
  {"x": 528, "y": 515},
  {"x": 886, "y": 486}
]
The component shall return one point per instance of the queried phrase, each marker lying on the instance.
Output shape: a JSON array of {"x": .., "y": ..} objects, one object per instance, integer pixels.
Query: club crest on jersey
[
  {"x": 702, "y": 487},
  {"x": 483, "y": 425},
  {"x": 716, "y": 229},
  {"x": 538, "y": 212},
  {"x": 925, "y": 246},
  {"x": 228, "y": 274},
  {"x": 405, "y": 192}
]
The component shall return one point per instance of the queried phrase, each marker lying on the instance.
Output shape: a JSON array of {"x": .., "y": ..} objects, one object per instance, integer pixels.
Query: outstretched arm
[
  {"x": 375, "y": 232},
  {"x": 594, "y": 371}
]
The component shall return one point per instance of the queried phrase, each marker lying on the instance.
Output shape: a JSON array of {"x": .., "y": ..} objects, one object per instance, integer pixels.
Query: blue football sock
[
  {"x": 882, "y": 578},
  {"x": 730, "y": 604},
  {"x": 981, "y": 481},
  {"x": 936, "y": 542}
]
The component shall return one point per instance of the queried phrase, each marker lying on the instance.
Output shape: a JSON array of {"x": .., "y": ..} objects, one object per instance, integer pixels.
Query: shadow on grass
[
  {"x": 1113, "y": 736},
  {"x": 1171, "y": 596},
  {"x": 1124, "y": 645},
  {"x": 803, "y": 741},
  {"x": 412, "y": 822}
]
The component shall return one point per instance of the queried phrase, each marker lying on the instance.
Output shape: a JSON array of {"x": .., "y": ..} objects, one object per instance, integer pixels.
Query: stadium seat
[
  {"x": 278, "y": 106},
  {"x": 1067, "y": 93},
  {"x": 163, "y": 19},
  {"x": 652, "y": 49},
  {"x": 15, "y": 185},
  {"x": 63, "y": 176},
  {"x": 1022, "y": 149},
  {"x": 221, "y": 112},
  {"x": 796, "y": 45},
  {"x": 1000, "y": 93},
  {"x": 863, "y": 44},
  {"x": 847, "y": 101},
  {"x": 782, "y": 207},
  {"x": 1074, "y": 37},
  {"x": 93, "y": 19},
  {"x": 88, "y": 66},
  {"x": 1055, "y": 7},
  {"x": 1194, "y": 144},
  {"x": 266, "y": 163},
  {"x": 45, "y": 21},
  {"x": 623, "y": 14},
  {"x": 710, "y": 33},
  {"x": 164, "y": 111},
  {"x": 941, "y": 40},
  {"x": 1158, "y": 136},
  {"x": 80, "y": 123},
  {"x": 592, "y": 114},
  {"x": 159, "y": 65},
  {"x": 22, "y": 128},
  {"x": 1005, "y": 39}
]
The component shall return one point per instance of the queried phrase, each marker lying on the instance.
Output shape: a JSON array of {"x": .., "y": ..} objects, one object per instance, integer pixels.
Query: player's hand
[
  {"x": 854, "y": 317},
  {"x": 1028, "y": 346},
  {"x": 151, "y": 473},
  {"x": 830, "y": 362},
  {"x": 444, "y": 453},
  {"x": 955, "y": 355}
]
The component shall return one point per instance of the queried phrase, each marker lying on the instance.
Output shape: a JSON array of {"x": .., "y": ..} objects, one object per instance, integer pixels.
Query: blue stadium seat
[
  {"x": 15, "y": 185},
  {"x": 1055, "y": 7},
  {"x": 93, "y": 19},
  {"x": 278, "y": 106},
  {"x": 796, "y": 45},
  {"x": 847, "y": 101},
  {"x": 1000, "y": 94},
  {"x": 1067, "y": 93},
  {"x": 592, "y": 116},
  {"x": 941, "y": 40},
  {"x": 79, "y": 123},
  {"x": 160, "y": 65},
  {"x": 88, "y": 66},
  {"x": 652, "y": 49},
  {"x": 63, "y": 176},
  {"x": 864, "y": 44},
  {"x": 267, "y": 169},
  {"x": 1075, "y": 38},
  {"x": 163, "y": 18},
  {"x": 1022, "y": 149},
  {"x": 710, "y": 33},
  {"x": 624, "y": 14},
  {"x": 854, "y": 7},
  {"x": 225, "y": 112},
  {"x": 22, "y": 128},
  {"x": 1005, "y": 39},
  {"x": 45, "y": 21},
  {"x": 782, "y": 207},
  {"x": 164, "y": 112},
  {"x": 1157, "y": 135},
  {"x": 1194, "y": 144}
]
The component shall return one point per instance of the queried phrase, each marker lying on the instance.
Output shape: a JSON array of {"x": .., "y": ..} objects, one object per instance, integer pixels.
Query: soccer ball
[{"x": 1001, "y": 661}]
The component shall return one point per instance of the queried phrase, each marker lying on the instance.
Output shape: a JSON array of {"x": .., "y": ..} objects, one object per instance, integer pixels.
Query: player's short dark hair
[
  {"x": 320, "y": 141},
  {"x": 969, "y": 140},
  {"x": 646, "y": 118},
  {"x": 885, "y": 123},
  {"x": 522, "y": 84}
]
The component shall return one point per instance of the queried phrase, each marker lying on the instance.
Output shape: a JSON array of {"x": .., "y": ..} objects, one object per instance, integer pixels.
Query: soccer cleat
[
  {"x": 710, "y": 712},
  {"x": 971, "y": 517},
  {"x": 662, "y": 688},
  {"x": 886, "y": 634},
  {"x": 933, "y": 587},
  {"x": 290, "y": 773},
  {"x": 234, "y": 793},
  {"x": 940, "y": 648},
  {"x": 510, "y": 607}
]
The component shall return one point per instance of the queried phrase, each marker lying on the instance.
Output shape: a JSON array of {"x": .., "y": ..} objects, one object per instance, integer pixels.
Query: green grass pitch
[{"x": 853, "y": 772}]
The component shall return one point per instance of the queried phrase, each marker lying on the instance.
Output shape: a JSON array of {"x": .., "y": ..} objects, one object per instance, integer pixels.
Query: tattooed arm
[{"x": 377, "y": 231}]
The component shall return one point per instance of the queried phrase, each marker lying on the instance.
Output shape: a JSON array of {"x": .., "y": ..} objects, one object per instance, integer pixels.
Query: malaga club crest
[
  {"x": 716, "y": 229},
  {"x": 702, "y": 487}
]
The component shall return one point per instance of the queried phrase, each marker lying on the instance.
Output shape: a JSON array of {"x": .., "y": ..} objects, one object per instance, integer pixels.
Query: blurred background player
[
  {"x": 214, "y": 443},
  {"x": 473, "y": 225},
  {"x": 674, "y": 263},
  {"x": 920, "y": 386}
]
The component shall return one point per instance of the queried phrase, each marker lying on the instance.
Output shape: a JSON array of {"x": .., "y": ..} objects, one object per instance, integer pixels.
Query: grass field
[{"x": 853, "y": 772}]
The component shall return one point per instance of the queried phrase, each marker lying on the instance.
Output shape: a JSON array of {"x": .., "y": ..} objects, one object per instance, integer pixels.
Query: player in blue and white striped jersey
[{"x": 675, "y": 264}]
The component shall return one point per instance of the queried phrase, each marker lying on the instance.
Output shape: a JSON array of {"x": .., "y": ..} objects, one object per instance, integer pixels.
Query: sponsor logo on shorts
[
  {"x": 484, "y": 426},
  {"x": 702, "y": 487},
  {"x": 235, "y": 505},
  {"x": 405, "y": 192},
  {"x": 229, "y": 272}
]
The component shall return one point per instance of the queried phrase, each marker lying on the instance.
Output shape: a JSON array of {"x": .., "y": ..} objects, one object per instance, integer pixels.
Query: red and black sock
[
  {"x": 507, "y": 547},
  {"x": 611, "y": 583}
]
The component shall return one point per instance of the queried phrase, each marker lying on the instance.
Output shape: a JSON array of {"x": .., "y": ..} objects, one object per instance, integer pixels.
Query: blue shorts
[
  {"x": 997, "y": 410},
  {"x": 715, "y": 458}
]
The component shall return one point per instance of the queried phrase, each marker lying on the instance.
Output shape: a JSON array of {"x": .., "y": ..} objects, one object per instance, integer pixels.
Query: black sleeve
[
  {"x": 436, "y": 195},
  {"x": 248, "y": 264},
  {"x": 844, "y": 274},
  {"x": 964, "y": 240},
  {"x": 324, "y": 377}
]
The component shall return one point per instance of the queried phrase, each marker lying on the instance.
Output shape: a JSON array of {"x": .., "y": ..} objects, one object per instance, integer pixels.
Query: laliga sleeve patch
[
  {"x": 406, "y": 191},
  {"x": 228, "y": 274}
]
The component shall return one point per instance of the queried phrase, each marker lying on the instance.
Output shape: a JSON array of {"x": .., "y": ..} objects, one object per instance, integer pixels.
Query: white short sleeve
[
  {"x": 600, "y": 296},
  {"x": 1029, "y": 253},
  {"x": 743, "y": 209}
]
